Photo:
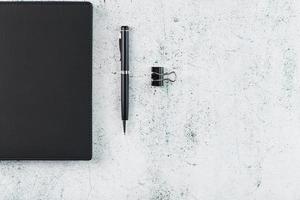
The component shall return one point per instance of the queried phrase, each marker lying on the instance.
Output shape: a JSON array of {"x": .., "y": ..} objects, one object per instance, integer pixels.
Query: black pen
[{"x": 124, "y": 49}]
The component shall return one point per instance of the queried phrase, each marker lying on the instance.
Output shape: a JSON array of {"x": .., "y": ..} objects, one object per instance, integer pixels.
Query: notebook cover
[{"x": 45, "y": 80}]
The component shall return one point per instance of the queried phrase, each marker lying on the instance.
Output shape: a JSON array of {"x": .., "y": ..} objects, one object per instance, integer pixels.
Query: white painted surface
[{"x": 228, "y": 129}]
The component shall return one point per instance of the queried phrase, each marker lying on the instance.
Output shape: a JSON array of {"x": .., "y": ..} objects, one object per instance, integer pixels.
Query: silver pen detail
[{"x": 124, "y": 72}]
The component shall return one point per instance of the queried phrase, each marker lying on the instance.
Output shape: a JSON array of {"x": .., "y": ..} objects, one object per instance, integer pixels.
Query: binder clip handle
[{"x": 158, "y": 76}]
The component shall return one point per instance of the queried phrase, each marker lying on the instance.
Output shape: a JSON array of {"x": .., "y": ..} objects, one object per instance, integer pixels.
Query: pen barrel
[
  {"x": 124, "y": 47},
  {"x": 125, "y": 95}
]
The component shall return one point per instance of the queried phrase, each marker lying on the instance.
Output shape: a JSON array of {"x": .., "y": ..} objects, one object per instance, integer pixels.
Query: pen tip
[{"x": 124, "y": 126}]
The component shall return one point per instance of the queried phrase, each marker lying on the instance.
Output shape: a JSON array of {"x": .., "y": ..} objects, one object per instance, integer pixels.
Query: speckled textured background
[{"x": 228, "y": 129}]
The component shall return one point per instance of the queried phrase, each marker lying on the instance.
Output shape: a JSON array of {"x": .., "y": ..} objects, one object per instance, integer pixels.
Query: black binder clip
[{"x": 158, "y": 76}]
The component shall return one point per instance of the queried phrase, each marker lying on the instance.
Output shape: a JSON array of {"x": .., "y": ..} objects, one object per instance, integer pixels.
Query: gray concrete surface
[{"x": 228, "y": 129}]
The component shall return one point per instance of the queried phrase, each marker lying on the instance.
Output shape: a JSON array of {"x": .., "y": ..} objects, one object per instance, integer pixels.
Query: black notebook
[{"x": 45, "y": 80}]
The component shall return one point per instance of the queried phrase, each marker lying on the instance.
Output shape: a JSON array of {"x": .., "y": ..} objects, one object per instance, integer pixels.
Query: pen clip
[{"x": 120, "y": 42}]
